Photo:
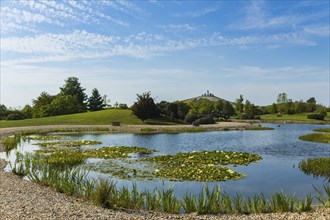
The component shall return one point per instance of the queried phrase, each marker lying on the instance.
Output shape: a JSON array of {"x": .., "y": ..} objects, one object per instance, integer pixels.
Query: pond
[{"x": 278, "y": 170}]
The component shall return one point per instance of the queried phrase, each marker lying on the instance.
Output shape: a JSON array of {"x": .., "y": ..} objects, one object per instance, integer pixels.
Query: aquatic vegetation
[
  {"x": 324, "y": 199},
  {"x": 258, "y": 128},
  {"x": 201, "y": 166},
  {"x": 104, "y": 192},
  {"x": 116, "y": 152},
  {"x": 68, "y": 143},
  {"x": 12, "y": 142},
  {"x": 316, "y": 137},
  {"x": 322, "y": 130},
  {"x": 318, "y": 167},
  {"x": 72, "y": 157},
  {"x": 44, "y": 138}
]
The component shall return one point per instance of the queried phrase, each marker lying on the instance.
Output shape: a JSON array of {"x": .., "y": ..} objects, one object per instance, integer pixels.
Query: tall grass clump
[
  {"x": 324, "y": 199},
  {"x": 12, "y": 142},
  {"x": 104, "y": 193},
  {"x": 279, "y": 202}
]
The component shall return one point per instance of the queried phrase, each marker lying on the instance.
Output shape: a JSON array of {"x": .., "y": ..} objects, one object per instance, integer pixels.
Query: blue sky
[{"x": 175, "y": 49}]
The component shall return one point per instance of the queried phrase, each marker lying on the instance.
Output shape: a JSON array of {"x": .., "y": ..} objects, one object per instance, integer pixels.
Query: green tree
[
  {"x": 27, "y": 111},
  {"x": 273, "y": 108},
  {"x": 228, "y": 110},
  {"x": 300, "y": 107},
  {"x": 250, "y": 110},
  {"x": 282, "y": 100},
  {"x": 3, "y": 108},
  {"x": 62, "y": 105},
  {"x": 239, "y": 105},
  {"x": 72, "y": 87},
  {"x": 183, "y": 109},
  {"x": 95, "y": 102},
  {"x": 145, "y": 107},
  {"x": 41, "y": 103},
  {"x": 311, "y": 104}
]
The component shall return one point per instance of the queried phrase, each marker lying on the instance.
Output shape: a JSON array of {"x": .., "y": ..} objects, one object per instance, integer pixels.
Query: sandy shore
[{"x": 22, "y": 199}]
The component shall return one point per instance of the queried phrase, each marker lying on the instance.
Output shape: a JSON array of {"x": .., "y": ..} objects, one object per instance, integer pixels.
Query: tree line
[{"x": 73, "y": 99}]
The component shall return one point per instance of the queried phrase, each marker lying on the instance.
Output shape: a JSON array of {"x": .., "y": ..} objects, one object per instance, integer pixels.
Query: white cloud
[{"x": 198, "y": 13}]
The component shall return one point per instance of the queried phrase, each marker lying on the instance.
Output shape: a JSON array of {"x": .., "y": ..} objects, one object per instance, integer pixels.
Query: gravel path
[{"x": 22, "y": 199}]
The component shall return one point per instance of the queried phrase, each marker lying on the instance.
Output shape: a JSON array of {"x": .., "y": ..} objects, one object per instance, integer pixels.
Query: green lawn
[
  {"x": 104, "y": 117},
  {"x": 295, "y": 117}
]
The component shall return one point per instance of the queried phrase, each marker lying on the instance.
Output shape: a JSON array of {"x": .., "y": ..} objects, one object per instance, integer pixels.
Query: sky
[{"x": 174, "y": 49}]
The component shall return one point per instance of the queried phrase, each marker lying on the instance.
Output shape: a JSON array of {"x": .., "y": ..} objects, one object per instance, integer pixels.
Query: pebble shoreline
[{"x": 22, "y": 199}]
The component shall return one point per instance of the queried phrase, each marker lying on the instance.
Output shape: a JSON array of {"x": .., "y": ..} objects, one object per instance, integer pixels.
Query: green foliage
[
  {"x": 15, "y": 116},
  {"x": 40, "y": 104},
  {"x": 317, "y": 116},
  {"x": 190, "y": 118},
  {"x": 318, "y": 167},
  {"x": 316, "y": 137},
  {"x": 322, "y": 130},
  {"x": 204, "y": 120},
  {"x": 324, "y": 199},
  {"x": 95, "y": 102},
  {"x": 104, "y": 192},
  {"x": 145, "y": 107},
  {"x": 72, "y": 87},
  {"x": 63, "y": 105},
  {"x": 200, "y": 166},
  {"x": 239, "y": 105},
  {"x": 12, "y": 142},
  {"x": 27, "y": 111}
]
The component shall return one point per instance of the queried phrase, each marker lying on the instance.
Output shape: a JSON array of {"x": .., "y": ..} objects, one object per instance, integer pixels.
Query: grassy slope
[
  {"x": 295, "y": 117},
  {"x": 104, "y": 117}
]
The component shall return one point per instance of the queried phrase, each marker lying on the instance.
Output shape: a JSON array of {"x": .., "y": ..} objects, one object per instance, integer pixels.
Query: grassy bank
[
  {"x": 296, "y": 117},
  {"x": 104, "y": 117}
]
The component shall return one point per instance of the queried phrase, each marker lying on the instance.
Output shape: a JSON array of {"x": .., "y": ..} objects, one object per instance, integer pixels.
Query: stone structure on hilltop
[{"x": 208, "y": 94}]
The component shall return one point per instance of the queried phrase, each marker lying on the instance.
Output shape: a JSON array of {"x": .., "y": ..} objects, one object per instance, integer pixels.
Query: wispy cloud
[
  {"x": 181, "y": 27},
  {"x": 198, "y": 13},
  {"x": 258, "y": 18}
]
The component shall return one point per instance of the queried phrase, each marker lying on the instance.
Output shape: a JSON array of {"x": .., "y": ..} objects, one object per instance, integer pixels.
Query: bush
[
  {"x": 204, "y": 121},
  {"x": 190, "y": 118},
  {"x": 316, "y": 116},
  {"x": 15, "y": 116}
]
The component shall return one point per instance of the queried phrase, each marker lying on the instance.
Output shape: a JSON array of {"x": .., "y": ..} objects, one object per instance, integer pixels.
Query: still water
[{"x": 278, "y": 171}]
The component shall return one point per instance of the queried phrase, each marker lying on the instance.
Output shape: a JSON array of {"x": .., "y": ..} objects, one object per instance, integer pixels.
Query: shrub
[
  {"x": 205, "y": 120},
  {"x": 15, "y": 116},
  {"x": 190, "y": 118},
  {"x": 316, "y": 116}
]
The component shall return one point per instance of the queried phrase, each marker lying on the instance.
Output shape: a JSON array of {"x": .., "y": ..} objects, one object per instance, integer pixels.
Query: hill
[
  {"x": 104, "y": 117},
  {"x": 208, "y": 96}
]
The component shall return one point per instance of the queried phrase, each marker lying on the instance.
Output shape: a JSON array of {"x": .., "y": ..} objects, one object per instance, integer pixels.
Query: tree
[
  {"x": 62, "y": 105},
  {"x": 145, "y": 107},
  {"x": 282, "y": 99},
  {"x": 72, "y": 87},
  {"x": 300, "y": 107},
  {"x": 3, "y": 108},
  {"x": 228, "y": 110},
  {"x": 249, "y": 111},
  {"x": 183, "y": 109},
  {"x": 311, "y": 104},
  {"x": 273, "y": 108},
  {"x": 95, "y": 102},
  {"x": 239, "y": 106},
  {"x": 27, "y": 111},
  {"x": 41, "y": 103}
]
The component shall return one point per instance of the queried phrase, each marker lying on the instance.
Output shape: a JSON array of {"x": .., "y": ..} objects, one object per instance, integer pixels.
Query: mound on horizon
[{"x": 209, "y": 96}]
